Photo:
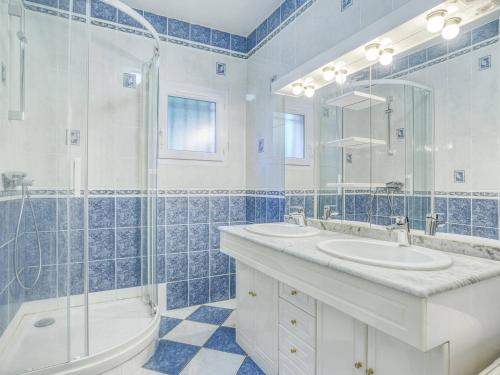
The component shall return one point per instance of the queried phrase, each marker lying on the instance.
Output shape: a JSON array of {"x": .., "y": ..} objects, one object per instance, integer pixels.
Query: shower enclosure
[{"x": 78, "y": 130}]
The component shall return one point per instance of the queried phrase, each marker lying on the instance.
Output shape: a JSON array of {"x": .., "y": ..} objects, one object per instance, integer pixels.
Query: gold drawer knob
[
  {"x": 294, "y": 322},
  {"x": 252, "y": 294},
  {"x": 358, "y": 365},
  {"x": 293, "y": 350},
  {"x": 370, "y": 371},
  {"x": 294, "y": 292}
]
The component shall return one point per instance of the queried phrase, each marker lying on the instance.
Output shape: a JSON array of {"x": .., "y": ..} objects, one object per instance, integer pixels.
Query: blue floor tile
[
  {"x": 171, "y": 357},
  {"x": 249, "y": 367},
  {"x": 224, "y": 340},
  {"x": 167, "y": 324},
  {"x": 210, "y": 315}
]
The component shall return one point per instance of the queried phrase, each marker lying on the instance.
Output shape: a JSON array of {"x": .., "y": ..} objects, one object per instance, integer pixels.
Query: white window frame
[
  {"x": 308, "y": 135},
  {"x": 196, "y": 93}
]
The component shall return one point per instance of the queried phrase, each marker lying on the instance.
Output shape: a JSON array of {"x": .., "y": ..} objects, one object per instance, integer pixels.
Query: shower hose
[{"x": 26, "y": 197}]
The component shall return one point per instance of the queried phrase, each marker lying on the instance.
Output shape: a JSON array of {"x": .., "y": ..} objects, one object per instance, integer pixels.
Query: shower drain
[{"x": 44, "y": 322}]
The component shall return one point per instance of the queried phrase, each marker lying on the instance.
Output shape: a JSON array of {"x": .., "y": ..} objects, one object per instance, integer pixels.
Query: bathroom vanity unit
[{"x": 302, "y": 311}]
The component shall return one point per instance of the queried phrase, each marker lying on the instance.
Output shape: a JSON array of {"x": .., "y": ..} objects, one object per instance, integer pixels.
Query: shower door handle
[{"x": 16, "y": 10}]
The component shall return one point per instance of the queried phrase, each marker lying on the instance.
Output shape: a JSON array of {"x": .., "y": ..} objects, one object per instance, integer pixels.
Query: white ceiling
[{"x": 234, "y": 16}]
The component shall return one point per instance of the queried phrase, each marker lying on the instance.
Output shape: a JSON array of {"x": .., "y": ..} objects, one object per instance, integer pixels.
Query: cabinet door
[
  {"x": 246, "y": 306},
  {"x": 389, "y": 356},
  {"x": 341, "y": 346},
  {"x": 266, "y": 322}
]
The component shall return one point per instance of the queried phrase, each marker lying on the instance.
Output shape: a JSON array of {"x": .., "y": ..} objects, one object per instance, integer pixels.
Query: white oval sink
[
  {"x": 386, "y": 254},
  {"x": 282, "y": 230}
]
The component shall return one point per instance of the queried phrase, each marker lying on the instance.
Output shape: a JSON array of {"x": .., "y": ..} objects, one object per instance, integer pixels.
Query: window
[
  {"x": 299, "y": 133},
  {"x": 192, "y": 125},
  {"x": 294, "y": 136}
]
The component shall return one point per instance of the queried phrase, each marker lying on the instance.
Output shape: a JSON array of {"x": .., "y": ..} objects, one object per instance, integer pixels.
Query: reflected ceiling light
[
  {"x": 372, "y": 52},
  {"x": 328, "y": 73},
  {"x": 341, "y": 76},
  {"x": 297, "y": 88},
  {"x": 386, "y": 56},
  {"x": 451, "y": 28},
  {"x": 308, "y": 80},
  {"x": 309, "y": 91},
  {"x": 435, "y": 20}
]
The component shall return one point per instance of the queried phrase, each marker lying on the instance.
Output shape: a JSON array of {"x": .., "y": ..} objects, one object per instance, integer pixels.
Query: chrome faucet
[
  {"x": 329, "y": 212},
  {"x": 402, "y": 226},
  {"x": 298, "y": 216},
  {"x": 432, "y": 223}
]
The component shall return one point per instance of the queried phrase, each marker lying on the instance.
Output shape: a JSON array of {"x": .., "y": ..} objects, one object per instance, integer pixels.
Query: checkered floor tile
[{"x": 200, "y": 340}]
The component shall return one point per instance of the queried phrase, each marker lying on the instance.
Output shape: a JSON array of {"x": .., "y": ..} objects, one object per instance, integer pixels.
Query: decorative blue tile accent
[
  {"x": 459, "y": 211},
  {"x": 220, "y": 69},
  {"x": 199, "y": 291},
  {"x": 103, "y": 11},
  {"x": 252, "y": 40},
  {"x": 199, "y": 264},
  {"x": 491, "y": 233},
  {"x": 219, "y": 209},
  {"x": 400, "y": 64},
  {"x": 274, "y": 20},
  {"x": 200, "y": 34},
  {"x": 250, "y": 209},
  {"x": 128, "y": 212},
  {"x": 177, "y": 210},
  {"x": 459, "y": 176},
  {"x": 437, "y": 50},
  {"x": 126, "y": 20},
  {"x": 79, "y": 6},
  {"x": 49, "y": 3},
  {"x": 221, "y": 39},
  {"x": 167, "y": 324},
  {"x": 272, "y": 210},
  {"x": 177, "y": 267},
  {"x": 177, "y": 295},
  {"x": 484, "y": 62},
  {"x": 249, "y": 367},
  {"x": 198, "y": 237},
  {"x": 171, "y": 357},
  {"x": 101, "y": 275},
  {"x": 178, "y": 29},
  {"x": 261, "y": 32},
  {"x": 158, "y": 22},
  {"x": 176, "y": 238},
  {"x": 128, "y": 272},
  {"x": 287, "y": 9},
  {"x": 485, "y": 213},
  {"x": 210, "y": 315},
  {"x": 463, "y": 40},
  {"x": 128, "y": 242},
  {"x": 101, "y": 213},
  {"x": 344, "y": 4},
  {"x": 238, "y": 43},
  {"x": 219, "y": 288},
  {"x": 219, "y": 263},
  {"x": 101, "y": 244},
  {"x": 485, "y": 32},
  {"x": 224, "y": 340}
]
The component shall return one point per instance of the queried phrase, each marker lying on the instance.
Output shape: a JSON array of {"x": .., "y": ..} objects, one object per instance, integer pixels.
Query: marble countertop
[{"x": 466, "y": 270}]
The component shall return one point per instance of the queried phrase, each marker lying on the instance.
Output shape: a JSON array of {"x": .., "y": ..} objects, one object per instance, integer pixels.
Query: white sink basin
[
  {"x": 386, "y": 254},
  {"x": 282, "y": 230}
]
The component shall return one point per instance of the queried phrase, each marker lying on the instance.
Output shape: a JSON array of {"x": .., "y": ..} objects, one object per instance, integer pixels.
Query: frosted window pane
[
  {"x": 294, "y": 136},
  {"x": 191, "y": 125}
]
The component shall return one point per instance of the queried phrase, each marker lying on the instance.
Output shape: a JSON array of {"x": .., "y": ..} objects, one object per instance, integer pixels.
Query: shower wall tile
[
  {"x": 221, "y": 39},
  {"x": 128, "y": 272},
  {"x": 75, "y": 286},
  {"x": 101, "y": 213},
  {"x": 199, "y": 210},
  {"x": 199, "y": 264},
  {"x": 200, "y": 34},
  {"x": 199, "y": 237},
  {"x": 176, "y": 209},
  {"x": 177, "y": 295},
  {"x": 177, "y": 267},
  {"x": 219, "y": 209},
  {"x": 237, "y": 208},
  {"x": 176, "y": 238},
  {"x": 101, "y": 275},
  {"x": 45, "y": 211},
  {"x": 199, "y": 291},
  {"x": 178, "y": 29},
  {"x": 103, "y": 11},
  {"x": 101, "y": 244},
  {"x": 160, "y": 23},
  {"x": 45, "y": 287},
  {"x": 128, "y": 212},
  {"x": 128, "y": 242},
  {"x": 126, "y": 20}
]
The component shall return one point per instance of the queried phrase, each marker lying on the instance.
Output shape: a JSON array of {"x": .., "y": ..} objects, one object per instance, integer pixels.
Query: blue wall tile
[
  {"x": 76, "y": 279},
  {"x": 126, "y": 20},
  {"x": 200, "y": 34},
  {"x": 176, "y": 238},
  {"x": 199, "y": 237},
  {"x": 417, "y": 58},
  {"x": 274, "y": 20},
  {"x": 128, "y": 242},
  {"x": 219, "y": 209},
  {"x": 250, "y": 209},
  {"x": 238, "y": 43},
  {"x": 160, "y": 23},
  {"x": 237, "y": 208},
  {"x": 261, "y": 32},
  {"x": 485, "y": 32},
  {"x": 272, "y": 210},
  {"x": 232, "y": 286},
  {"x": 219, "y": 263},
  {"x": 252, "y": 40},
  {"x": 128, "y": 212},
  {"x": 178, "y": 29},
  {"x": 260, "y": 210},
  {"x": 219, "y": 288},
  {"x": 199, "y": 210},
  {"x": 437, "y": 50},
  {"x": 287, "y": 9},
  {"x": 160, "y": 211},
  {"x": 177, "y": 267},
  {"x": 400, "y": 64},
  {"x": 176, "y": 209},
  {"x": 463, "y": 40},
  {"x": 215, "y": 235},
  {"x": 160, "y": 269},
  {"x": 49, "y": 3},
  {"x": 459, "y": 229},
  {"x": 491, "y": 233},
  {"x": 101, "y": 275},
  {"x": 199, "y": 264},
  {"x": 101, "y": 244},
  {"x": 459, "y": 211},
  {"x": 79, "y": 6},
  {"x": 46, "y": 286},
  {"x": 221, "y": 39},
  {"x": 101, "y": 213},
  {"x": 177, "y": 295},
  {"x": 199, "y": 292},
  {"x": 45, "y": 213},
  {"x": 161, "y": 246},
  {"x": 103, "y": 11},
  {"x": 128, "y": 272},
  {"x": 28, "y": 249},
  {"x": 485, "y": 213}
]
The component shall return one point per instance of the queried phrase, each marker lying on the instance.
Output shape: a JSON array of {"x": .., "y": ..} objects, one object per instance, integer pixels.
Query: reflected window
[{"x": 294, "y": 136}]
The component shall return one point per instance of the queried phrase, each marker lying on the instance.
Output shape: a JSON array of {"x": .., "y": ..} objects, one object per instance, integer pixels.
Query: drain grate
[{"x": 44, "y": 322}]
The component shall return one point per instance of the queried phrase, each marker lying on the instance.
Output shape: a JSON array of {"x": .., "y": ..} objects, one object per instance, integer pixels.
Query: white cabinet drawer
[
  {"x": 287, "y": 367},
  {"x": 298, "y": 352},
  {"x": 298, "y": 322},
  {"x": 298, "y": 299}
]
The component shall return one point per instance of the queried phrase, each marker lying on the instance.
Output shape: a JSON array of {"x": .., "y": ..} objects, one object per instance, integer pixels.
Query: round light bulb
[
  {"x": 451, "y": 28},
  {"x": 328, "y": 73},
  {"x": 309, "y": 91},
  {"x": 341, "y": 77},
  {"x": 297, "y": 89},
  {"x": 435, "y": 20},
  {"x": 372, "y": 52},
  {"x": 386, "y": 56}
]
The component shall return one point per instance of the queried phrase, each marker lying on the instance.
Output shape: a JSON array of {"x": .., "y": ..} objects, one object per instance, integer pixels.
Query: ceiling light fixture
[
  {"x": 372, "y": 52},
  {"x": 309, "y": 91},
  {"x": 341, "y": 76},
  {"x": 386, "y": 56},
  {"x": 328, "y": 73},
  {"x": 297, "y": 89},
  {"x": 451, "y": 28},
  {"x": 435, "y": 20}
]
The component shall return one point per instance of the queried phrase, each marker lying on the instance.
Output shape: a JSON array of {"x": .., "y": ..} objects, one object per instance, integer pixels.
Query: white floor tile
[
  {"x": 231, "y": 320},
  {"x": 212, "y": 362},
  {"x": 193, "y": 333},
  {"x": 181, "y": 313},
  {"x": 229, "y": 304}
]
